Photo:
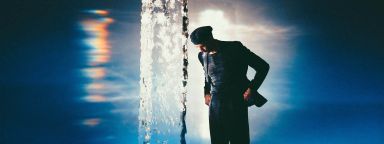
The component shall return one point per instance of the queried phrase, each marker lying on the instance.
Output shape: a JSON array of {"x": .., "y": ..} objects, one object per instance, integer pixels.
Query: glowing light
[
  {"x": 91, "y": 122},
  {"x": 95, "y": 98},
  {"x": 99, "y": 12},
  {"x": 95, "y": 86},
  {"x": 107, "y": 20},
  {"x": 218, "y": 21},
  {"x": 204, "y": 128},
  {"x": 98, "y": 53},
  {"x": 97, "y": 59},
  {"x": 98, "y": 40},
  {"x": 95, "y": 72}
]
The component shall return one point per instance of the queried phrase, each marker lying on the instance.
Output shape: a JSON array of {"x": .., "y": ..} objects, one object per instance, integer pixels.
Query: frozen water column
[{"x": 163, "y": 71}]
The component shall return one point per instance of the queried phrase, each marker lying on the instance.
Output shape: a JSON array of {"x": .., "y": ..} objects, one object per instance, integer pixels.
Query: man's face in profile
[
  {"x": 202, "y": 47},
  {"x": 206, "y": 46}
]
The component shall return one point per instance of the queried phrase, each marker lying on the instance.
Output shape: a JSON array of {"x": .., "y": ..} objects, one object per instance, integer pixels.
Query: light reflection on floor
[
  {"x": 106, "y": 84},
  {"x": 98, "y": 54},
  {"x": 110, "y": 91}
]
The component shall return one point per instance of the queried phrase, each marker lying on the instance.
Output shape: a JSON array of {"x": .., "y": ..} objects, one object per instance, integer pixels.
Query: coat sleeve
[
  {"x": 207, "y": 81},
  {"x": 261, "y": 66}
]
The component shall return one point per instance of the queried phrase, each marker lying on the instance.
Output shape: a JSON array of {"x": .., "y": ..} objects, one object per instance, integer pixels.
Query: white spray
[{"x": 163, "y": 71}]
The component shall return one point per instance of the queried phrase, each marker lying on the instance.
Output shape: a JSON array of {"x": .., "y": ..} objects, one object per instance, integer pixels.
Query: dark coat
[{"x": 236, "y": 59}]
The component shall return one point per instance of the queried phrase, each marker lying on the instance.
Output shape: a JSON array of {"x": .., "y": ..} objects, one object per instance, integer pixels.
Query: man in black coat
[{"x": 227, "y": 90}]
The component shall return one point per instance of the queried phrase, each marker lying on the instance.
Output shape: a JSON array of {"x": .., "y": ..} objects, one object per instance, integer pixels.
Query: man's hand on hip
[{"x": 247, "y": 94}]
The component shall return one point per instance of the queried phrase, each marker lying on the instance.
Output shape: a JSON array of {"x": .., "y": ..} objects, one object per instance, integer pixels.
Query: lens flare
[
  {"x": 92, "y": 122},
  {"x": 97, "y": 29},
  {"x": 95, "y": 86},
  {"x": 99, "y": 12},
  {"x": 95, "y": 98},
  {"x": 95, "y": 72},
  {"x": 98, "y": 53}
]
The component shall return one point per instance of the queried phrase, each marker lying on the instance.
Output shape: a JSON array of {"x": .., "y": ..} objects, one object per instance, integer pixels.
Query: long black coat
[
  {"x": 228, "y": 120},
  {"x": 236, "y": 59}
]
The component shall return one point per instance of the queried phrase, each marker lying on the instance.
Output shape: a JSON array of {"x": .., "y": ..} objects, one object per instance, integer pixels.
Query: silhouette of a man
[{"x": 227, "y": 88}]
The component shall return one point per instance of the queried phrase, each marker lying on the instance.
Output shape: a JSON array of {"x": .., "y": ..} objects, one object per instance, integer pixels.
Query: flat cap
[{"x": 201, "y": 35}]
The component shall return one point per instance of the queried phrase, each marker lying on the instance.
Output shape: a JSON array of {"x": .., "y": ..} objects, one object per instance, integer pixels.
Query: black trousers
[{"x": 228, "y": 121}]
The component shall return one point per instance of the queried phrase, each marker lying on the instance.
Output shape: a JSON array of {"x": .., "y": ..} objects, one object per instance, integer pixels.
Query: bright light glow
[
  {"x": 95, "y": 86},
  {"x": 98, "y": 53},
  {"x": 95, "y": 98},
  {"x": 99, "y": 12},
  {"x": 97, "y": 29},
  {"x": 218, "y": 21},
  {"x": 95, "y": 72},
  {"x": 92, "y": 122}
]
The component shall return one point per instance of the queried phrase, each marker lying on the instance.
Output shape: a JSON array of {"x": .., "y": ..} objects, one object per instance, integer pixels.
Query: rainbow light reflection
[{"x": 95, "y": 25}]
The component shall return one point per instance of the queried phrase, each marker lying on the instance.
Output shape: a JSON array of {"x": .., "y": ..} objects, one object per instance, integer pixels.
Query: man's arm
[
  {"x": 207, "y": 83},
  {"x": 257, "y": 63}
]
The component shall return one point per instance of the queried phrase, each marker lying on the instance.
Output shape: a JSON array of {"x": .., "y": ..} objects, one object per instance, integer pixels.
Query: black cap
[{"x": 201, "y": 35}]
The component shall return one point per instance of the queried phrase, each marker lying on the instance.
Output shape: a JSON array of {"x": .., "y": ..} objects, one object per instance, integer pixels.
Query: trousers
[{"x": 228, "y": 120}]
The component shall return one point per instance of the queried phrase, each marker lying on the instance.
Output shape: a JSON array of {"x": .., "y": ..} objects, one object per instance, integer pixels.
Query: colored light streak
[
  {"x": 97, "y": 59},
  {"x": 92, "y": 122},
  {"x": 99, "y": 53},
  {"x": 95, "y": 86},
  {"x": 98, "y": 42},
  {"x": 95, "y": 72},
  {"x": 95, "y": 98},
  {"x": 99, "y": 12}
]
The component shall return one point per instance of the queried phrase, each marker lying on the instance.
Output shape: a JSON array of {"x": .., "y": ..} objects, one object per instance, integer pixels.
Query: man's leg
[
  {"x": 217, "y": 124},
  {"x": 239, "y": 133}
]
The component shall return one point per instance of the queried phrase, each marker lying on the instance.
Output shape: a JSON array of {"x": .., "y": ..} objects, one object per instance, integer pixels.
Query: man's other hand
[
  {"x": 247, "y": 94},
  {"x": 207, "y": 98}
]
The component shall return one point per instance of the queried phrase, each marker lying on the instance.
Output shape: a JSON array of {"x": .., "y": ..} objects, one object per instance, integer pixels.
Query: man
[{"x": 227, "y": 88}]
